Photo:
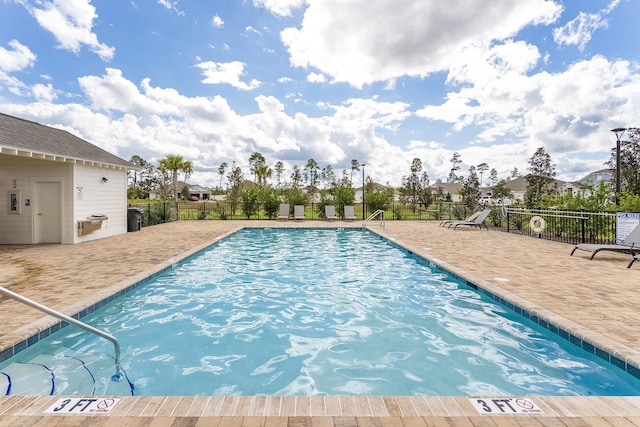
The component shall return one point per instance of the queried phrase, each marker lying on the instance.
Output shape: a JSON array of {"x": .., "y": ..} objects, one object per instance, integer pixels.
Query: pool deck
[{"x": 595, "y": 300}]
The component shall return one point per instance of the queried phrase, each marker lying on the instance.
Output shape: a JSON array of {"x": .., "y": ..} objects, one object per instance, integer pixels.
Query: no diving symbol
[
  {"x": 525, "y": 404},
  {"x": 105, "y": 404}
]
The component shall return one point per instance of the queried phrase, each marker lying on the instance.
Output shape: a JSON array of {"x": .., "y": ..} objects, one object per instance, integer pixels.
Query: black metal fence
[
  {"x": 551, "y": 224},
  {"x": 555, "y": 224},
  {"x": 160, "y": 212}
]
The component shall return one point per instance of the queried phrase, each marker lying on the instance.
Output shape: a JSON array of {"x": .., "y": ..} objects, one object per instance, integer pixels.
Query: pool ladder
[
  {"x": 378, "y": 213},
  {"x": 68, "y": 319}
]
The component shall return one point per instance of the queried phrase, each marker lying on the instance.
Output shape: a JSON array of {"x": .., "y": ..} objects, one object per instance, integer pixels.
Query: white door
[{"x": 48, "y": 211}]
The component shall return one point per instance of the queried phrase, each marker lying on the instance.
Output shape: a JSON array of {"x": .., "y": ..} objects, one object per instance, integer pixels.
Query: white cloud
[
  {"x": 44, "y": 93},
  {"x": 129, "y": 119},
  {"x": 279, "y": 7},
  {"x": 579, "y": 30},
  {"x": 17, "y": 58},
  {"x": 171, "y": 5},
  {"x": 494, "y": 88},
  {"x": 71, "y": 23},
  {"x": 316, "y": 78},
  {"x": 499, "y": 109},
  {"x": 250, "y": 29},
  {"x": 349, "y": 40},
  {"x": 567, "y": 112},
  {"x": 218, "y": 22},
  {"x": 226, "y": 73}
]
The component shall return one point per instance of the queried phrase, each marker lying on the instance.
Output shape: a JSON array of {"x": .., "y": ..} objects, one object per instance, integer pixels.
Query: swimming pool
[{"x": 313, "y": 312}]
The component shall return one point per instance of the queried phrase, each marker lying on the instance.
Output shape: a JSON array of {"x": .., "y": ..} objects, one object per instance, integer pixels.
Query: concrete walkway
[{"x": 594, "y": 300}]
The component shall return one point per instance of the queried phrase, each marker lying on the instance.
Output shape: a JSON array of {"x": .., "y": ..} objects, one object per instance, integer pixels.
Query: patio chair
[
  {"x": 631, "y": 244},
  {"x": 477, "y": 222},
  {"x": 349, "y": 215},
  {"x": 470, "y": 218},
  {"x": 635, "y": 257},
  {"x": 298, "y": 212},
  {"x": 330, "y": 213},
  {"x": 284, "y": 211}
]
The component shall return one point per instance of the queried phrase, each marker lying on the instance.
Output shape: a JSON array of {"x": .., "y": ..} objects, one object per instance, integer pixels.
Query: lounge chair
[
  {"x": 330, "y": 213},
  {"x": 349, "y": 215},
  {"x": 298, "y": 212},
  {"x": 631, "y": 244},
  {"x": 477, "y": 222},
  {"x": 284, "y": 212},
  {"x": 471, "y": 218},
  {"x": 634, "y": 259}
]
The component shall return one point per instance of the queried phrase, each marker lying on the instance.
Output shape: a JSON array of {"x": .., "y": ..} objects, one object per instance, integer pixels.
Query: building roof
[
  {"x": 448, "y": 187},
  {"x": 597, "y": 176},
  {"x": 193, "y": 187},
  {"x": 19, "y": 137}
]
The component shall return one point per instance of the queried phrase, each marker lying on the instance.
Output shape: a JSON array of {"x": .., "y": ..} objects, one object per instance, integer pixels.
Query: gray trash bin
[{"x": 134, "y": 219}]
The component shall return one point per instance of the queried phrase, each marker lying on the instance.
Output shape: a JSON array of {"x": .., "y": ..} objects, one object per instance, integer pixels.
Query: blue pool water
[{"x": 327, "y": 312}]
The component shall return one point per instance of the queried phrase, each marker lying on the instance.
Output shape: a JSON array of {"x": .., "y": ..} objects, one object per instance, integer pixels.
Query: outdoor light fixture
[
  {"x": 363, "y": 210},
  {"x": 619, "y": 132},
  {"x": 105, "y": 179}
]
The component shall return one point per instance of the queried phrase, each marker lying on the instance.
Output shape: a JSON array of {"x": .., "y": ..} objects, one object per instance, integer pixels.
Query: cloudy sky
[{"x": 379, "y": 81}]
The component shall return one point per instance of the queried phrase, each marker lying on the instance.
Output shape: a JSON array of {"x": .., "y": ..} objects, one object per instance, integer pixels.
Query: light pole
[
  {"x": 363, "y": 211},
  {"x": 619, "y": 132}
]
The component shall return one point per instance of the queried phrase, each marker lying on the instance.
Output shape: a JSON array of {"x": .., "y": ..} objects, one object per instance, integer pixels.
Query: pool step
[{"x": 48, "y": 374}]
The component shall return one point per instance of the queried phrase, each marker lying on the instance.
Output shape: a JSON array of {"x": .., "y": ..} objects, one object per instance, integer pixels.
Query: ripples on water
[{"x": 326, "y": 312}]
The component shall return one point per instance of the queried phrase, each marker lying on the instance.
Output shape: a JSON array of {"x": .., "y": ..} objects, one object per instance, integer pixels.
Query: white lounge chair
[
  {"x": 298, "y": 212},
  {"x": 477, "y": 222},
  {"x": 284, "y": 212},
  {"x": 471, "y": 218},
  {"x": 631, "y": 244},
  {"x": 349, "y": 215},
  {"x": 330, "y": 213}
]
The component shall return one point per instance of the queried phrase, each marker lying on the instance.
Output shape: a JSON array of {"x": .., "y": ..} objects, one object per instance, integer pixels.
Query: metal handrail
[
  {"x": 380, "y": 213},
  {"x": 68, "y": 319}
]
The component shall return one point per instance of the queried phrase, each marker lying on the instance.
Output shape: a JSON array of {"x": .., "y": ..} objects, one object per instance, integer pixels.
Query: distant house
[
  {"x": 450, "y": 190},
  {"x": 518, "y": 187},
  {"x": 594, "y": 179},
  {"x": 376, "y": 186},
  {"x": 195, "y": 190},
  {"x": 56, "y": 187}
]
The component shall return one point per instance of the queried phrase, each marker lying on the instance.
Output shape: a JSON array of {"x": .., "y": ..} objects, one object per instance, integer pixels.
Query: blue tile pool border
[{"x": 586, "y": 345}]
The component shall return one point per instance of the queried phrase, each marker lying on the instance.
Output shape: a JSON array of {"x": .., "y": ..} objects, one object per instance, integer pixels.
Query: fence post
[
  {"x": 583, "y": 226},
  {"x": 508, "y": 222}
]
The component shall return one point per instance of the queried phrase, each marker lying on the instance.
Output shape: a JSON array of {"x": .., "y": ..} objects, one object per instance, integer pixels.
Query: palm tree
[
  {"x": 255, "y": 161},
  {"x": 262, "y": 172},
  {"x": 175, "y": 163}
]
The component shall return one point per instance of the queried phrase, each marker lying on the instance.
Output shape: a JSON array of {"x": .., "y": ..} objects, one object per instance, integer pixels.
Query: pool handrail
[
  {"x": 69, "y": 319},
  {"x": 379, "y": 213}
]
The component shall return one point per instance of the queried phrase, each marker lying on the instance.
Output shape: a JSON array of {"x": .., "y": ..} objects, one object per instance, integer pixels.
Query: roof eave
[{"x": 12, "y": 151}]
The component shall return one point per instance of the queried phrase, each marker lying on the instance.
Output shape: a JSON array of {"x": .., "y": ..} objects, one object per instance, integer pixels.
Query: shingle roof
[{"x": 26, "y": 138}]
